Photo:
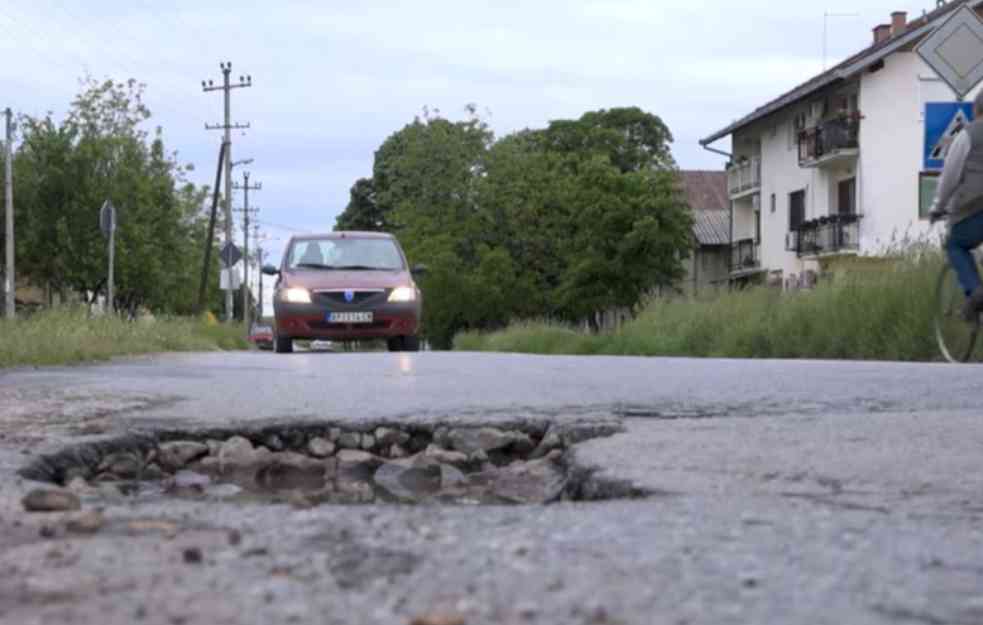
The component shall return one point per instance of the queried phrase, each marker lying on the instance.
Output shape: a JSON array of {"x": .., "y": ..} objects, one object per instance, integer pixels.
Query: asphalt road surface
[{"x": 781, "y": 492}]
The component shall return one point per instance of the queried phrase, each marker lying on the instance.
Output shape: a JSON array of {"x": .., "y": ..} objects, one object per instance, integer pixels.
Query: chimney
[
  {"x": 899, "y": 21},
  {"x": 882, "y": 32}
]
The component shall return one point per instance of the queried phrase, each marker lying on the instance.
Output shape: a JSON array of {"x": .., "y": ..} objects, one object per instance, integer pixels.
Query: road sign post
[{"x": 107, "y": 223}]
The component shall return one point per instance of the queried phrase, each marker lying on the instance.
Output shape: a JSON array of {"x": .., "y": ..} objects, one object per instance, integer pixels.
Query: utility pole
[
  {"x": 10, "y": 281},
  {"x": 228, "y": 126},
  {"x": 246, "y": 211},
  {"x": 259, "y": 265}
]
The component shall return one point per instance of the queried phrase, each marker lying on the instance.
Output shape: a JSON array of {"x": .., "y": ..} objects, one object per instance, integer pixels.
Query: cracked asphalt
[{"x": 782, "y": 492}]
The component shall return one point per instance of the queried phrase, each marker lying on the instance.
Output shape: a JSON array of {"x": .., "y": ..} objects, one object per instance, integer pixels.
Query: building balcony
[
  {"x": 826, "y": 236},
  {"x": 830, "y": 143},
  {"x": 745, "y": 257},
  {"x": 744, "y": 177}
]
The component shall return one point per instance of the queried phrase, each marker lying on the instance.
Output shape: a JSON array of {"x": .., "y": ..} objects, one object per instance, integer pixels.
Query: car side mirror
[
  {"x": 419, "y": 270},
  {"x": 270, "y": 270}
]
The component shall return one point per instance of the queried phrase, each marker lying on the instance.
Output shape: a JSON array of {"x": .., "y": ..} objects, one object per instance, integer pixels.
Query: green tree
[
  {"x": 362, "y": 212},
  {"x": 562, "y": 222},
  {"x": 64, "y": 173}
]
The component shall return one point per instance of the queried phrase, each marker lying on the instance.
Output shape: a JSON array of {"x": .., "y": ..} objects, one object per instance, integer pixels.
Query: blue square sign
[{"x": 943, "y": 121}]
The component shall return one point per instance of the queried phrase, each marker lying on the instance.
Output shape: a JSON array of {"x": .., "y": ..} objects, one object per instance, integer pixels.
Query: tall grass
[
  {"x": 65, "y": 336},
  {"x": 882, "y": 312}
]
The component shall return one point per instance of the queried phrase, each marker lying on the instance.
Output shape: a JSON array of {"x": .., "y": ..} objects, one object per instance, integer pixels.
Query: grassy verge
[
  {"x": 881, "y": 313},
  {"x": 70, "y": 336}
]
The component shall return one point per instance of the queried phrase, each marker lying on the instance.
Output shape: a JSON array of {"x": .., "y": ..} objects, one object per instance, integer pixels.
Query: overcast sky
[{"x": 331, "y": 80}]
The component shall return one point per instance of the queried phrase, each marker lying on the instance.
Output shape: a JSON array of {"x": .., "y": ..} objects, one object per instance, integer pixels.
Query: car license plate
[{"x": 350, "y": 317}]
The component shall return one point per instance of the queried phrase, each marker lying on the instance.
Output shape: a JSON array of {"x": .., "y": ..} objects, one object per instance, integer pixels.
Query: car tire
[
  {"x": 395, "y": 344},
  {"x": 411, "y": 343},
  {"x": 283, "y": 344}
]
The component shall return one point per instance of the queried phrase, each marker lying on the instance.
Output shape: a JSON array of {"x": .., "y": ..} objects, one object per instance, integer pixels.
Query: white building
[{"x": 835, "y": 166}]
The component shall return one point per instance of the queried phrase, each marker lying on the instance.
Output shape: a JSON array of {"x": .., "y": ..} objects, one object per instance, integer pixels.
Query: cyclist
[{"x": 959, "y": 200}]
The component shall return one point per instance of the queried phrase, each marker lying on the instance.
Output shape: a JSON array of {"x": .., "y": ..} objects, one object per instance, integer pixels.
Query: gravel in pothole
[{"x": 443, "y": 465}]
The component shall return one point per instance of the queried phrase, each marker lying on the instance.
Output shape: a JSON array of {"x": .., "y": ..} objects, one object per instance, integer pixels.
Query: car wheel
[
  {"x": 283, "y": 344},
  {"x": 411, "y": 343},
  {"x": 395, "y": 344}
]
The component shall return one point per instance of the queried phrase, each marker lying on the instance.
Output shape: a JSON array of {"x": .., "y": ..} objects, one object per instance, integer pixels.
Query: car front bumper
[{"x": 310, "y": 321}]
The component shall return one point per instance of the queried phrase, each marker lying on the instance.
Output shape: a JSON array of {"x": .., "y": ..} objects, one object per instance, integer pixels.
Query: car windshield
[{"x": 349, "y": 254}]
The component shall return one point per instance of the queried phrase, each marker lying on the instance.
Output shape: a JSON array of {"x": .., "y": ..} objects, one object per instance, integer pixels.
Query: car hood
[{"x": 314, "y": 279}]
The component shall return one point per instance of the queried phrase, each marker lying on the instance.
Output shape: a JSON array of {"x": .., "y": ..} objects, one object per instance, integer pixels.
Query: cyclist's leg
[{"x": 964, "y": 236}]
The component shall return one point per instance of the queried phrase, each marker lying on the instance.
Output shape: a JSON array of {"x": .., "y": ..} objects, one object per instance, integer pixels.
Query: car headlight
[
  {"x": 403, "y": 294},
  {"x": 296, "y": 295}
]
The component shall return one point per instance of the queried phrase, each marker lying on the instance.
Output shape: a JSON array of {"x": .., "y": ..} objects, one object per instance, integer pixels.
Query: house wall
[
  {"x": 707, "y": 269},
  {"x": 892, "y": 101},
  {"x": 781, "y": 175}
]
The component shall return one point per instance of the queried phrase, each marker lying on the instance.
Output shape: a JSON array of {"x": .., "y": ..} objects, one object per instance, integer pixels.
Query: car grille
[{"x": 360, "y": 297}]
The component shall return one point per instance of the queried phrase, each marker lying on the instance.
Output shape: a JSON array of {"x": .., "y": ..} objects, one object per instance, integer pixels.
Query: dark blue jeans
[{"x": 963, "y": 238}]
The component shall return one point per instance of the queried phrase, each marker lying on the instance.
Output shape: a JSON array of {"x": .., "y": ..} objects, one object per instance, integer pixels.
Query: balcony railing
[
  {"x": 744, "y": 176},
  {"x": 826, "y": 235},
  {"x": 828, "y": 138},
  {"x": 744, "y": 255}
]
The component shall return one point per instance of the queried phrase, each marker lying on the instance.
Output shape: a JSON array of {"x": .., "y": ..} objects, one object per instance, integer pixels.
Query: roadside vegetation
[
  {"x": 866, "y": 312},
  {"x": 67, "y": 336}
]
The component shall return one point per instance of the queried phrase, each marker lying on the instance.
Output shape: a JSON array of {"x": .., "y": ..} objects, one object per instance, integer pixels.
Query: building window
[
  {"x": 796, "y": 209},
  {"x": 773, "y": 202},
  {"x": 928, "y": 182},
  {"x": 847, "y": 197},
  {"x": 757, "y": 227}
]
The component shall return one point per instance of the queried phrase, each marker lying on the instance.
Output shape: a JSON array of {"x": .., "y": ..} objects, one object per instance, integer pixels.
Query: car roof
[{"x": 344, "y": 234}]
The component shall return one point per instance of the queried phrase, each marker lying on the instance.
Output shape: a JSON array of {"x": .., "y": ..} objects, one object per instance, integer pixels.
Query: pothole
[{"x": 308, "y": 464}]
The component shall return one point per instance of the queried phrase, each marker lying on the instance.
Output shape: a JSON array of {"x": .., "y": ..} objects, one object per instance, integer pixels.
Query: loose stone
[
  {"x": 274, "y": 442},
  {"x": 123, "y": 465},
  {"x": 88, "y": 522},
  {"x": 42, "y": 500},
  {"x": 152, "y": 472},
  {"x": 350, "y": 440},
  {"x": 397, "y": 451},
  {"x": 368, "y": 442},
  {"x": 444, "y": 456},
  {"x": 358, "y": 464},
  {"x": 236, "y": 450},
  {"x": 320, "y": 447},
  {"x": 77, "y": 485},
  {"x": 178, "y": 454},
  {"x": 470, "y": 440},
  {"x": 550, "y": 442},
  {"x": 388, "y": 436},
  {"x": 536, "y": 481}
]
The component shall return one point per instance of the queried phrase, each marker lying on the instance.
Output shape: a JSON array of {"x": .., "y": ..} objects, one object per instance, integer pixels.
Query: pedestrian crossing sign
[{"x": 943, "y": 121}]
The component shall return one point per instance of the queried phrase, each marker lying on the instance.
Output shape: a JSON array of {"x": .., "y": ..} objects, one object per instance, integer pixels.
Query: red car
[
  {"x": 346, "y": 286},
  {"x": 262, "y": 337}
]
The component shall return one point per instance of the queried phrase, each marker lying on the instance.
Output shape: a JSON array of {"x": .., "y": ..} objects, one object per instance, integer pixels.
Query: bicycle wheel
[{"x": 955, "y": 336}]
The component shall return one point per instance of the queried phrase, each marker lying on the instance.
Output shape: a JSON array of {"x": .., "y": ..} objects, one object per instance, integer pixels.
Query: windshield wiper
[
  {"x": 314, "y": 266},
  {"x": 359, "y": 268}
]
